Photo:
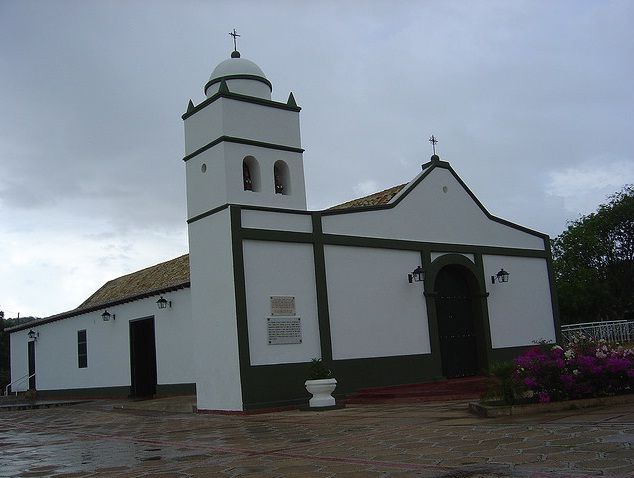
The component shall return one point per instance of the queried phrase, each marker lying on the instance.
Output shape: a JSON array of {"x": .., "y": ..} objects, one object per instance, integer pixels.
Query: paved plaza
[{"x": 400, "y": 440}]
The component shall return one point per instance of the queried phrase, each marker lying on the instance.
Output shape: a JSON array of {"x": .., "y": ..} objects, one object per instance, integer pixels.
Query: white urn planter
[{"x": 321, "y": 391}]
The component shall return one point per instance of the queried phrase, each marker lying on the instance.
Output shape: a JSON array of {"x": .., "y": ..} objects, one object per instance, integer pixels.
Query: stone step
[{"x": 452, "y": 389}]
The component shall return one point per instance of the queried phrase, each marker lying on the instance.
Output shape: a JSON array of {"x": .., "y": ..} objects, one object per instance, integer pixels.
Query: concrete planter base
[
  {"x": 492, "y": 411},
  {"x": 321, "y": 391}
]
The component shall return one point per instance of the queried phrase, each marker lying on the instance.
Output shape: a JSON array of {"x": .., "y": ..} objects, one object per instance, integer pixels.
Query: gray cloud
[{"x": 518, "y": 93}]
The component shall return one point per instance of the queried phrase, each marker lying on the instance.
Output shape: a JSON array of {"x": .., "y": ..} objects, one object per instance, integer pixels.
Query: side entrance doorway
[
  {"x": 456, "y": 316},
  {"x": 31, "y": 355},
  {"x": 142, "y": 358}
]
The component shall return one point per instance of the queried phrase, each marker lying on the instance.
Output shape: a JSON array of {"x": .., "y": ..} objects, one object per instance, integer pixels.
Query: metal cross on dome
[
  {"x": 433, "y": 142},
  {"x": 234, "y": 34}
]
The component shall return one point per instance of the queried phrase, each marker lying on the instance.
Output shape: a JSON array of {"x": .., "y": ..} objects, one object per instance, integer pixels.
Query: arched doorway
[{"x": 456, "y": 315}]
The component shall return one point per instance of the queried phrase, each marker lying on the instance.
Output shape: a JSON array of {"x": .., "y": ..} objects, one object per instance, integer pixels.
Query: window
[
  {"x": 246, "y": 177},
  {"x": 282, "y": 178},
  {"x": 250, "y": 174},
  {"x": 82, "y": 349}
]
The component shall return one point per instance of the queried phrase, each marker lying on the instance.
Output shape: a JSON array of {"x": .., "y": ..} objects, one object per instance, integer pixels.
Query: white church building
[{"x": 411, "y": 284}]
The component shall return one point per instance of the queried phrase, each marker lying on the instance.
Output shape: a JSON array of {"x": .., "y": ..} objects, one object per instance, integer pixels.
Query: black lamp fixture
[
  {"x": 417, "y": 275},
  {"x": 501, "y": 276},
  {"x": 33, "y": 335},
  {"x": 106, "y": 316},
  {"x": 163, "y": 303}
]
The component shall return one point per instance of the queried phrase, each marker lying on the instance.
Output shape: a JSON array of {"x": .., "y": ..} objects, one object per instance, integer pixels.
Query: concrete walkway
[{"x": 419, "y": 440}]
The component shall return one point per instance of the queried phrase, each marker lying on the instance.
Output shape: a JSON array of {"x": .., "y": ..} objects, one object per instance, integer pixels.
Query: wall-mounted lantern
[
  {"x": 33, "y": 335},
  {"x": 107, "y": 315},
  {"x": 501, "y": 276},
  {"x": 417, "y": 275},
  {"x": 163, "y": 303}
]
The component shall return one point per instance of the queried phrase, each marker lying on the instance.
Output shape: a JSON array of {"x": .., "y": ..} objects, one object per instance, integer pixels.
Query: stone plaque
[
  {"x": 283, "y": 305},
  {"x": 284, "y": 330}
]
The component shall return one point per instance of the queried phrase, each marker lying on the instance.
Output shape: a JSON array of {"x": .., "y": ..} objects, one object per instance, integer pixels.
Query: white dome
[
  {"x": 236, "y": 66},
  {"x": 241, "y": 76}
]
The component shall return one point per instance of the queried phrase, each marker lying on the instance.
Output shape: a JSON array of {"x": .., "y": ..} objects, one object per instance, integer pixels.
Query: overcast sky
[{"x": 532, "y": 103}]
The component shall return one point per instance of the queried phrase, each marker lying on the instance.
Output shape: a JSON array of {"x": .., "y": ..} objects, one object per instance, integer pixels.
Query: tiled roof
[
  {"x": 160, "y": 278},
  {"x": 376, "y": 199},
  {"x": 166, "y": 275}
]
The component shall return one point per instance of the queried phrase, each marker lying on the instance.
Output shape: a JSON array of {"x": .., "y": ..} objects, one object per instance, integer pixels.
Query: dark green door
[
  {"x": 142, "y": 358},
  {"x": 31, "y": 352},
  {"x": 456, "y": 328}
]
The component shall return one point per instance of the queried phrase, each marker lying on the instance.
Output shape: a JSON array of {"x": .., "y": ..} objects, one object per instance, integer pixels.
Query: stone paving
[{"x": 418, "y": 440}]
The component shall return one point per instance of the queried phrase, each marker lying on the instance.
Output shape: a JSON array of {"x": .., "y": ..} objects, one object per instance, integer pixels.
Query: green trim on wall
[
  {"x": 506, "y": 354},
  {"x": 281, "y": 236},
  {"x": 553, "y": 291},
  {"x": 248, "y": 208},
  {"x": 225, "y": 78},
  {"x": 283, "y": 384},
  {"x": 355, "y": 374},
  {"x": 96, "y": 392},
  {"x": 208, "y": 213},
  {"x": 162, "y": 390},
  {"x": 422, "y": 245},
  {"x": 243, "y": 98},
  {"x": 249, "y": 142},
  {"x": 278, "y": 209},
  {"x": 432, "y": 317},
  {"x": 378, "y": 243},
  {"x": 172, "y": 389},
  {"x": 321, "y": 285},
  {"x": 270, "y": 386},
  {"x": 484, "y": 304},
  {"x": 239, "y": 281}
]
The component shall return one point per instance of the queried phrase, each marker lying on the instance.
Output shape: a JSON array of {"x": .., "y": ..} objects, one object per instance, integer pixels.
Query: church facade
[{"x": 407, "y": 285}]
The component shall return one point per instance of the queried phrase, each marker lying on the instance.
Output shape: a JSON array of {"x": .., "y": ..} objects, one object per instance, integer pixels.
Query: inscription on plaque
[
  {"x": 284, "y": 330},
  {"x": 283, "y": 305}
]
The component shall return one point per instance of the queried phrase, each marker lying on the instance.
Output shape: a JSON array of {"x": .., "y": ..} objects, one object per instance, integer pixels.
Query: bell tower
[{"x": 241, "y": 147}]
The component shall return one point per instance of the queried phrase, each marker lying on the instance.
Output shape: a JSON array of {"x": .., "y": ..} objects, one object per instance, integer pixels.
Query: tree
[{"x": 594, "y": 262}]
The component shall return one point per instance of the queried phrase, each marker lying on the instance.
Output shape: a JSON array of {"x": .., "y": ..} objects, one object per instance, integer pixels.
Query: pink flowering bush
[{"x": 585, "y": 368}]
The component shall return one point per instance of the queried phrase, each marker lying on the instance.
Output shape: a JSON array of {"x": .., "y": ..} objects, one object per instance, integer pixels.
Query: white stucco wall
[
  {"x": 374, "y": 310},
  {"x": 261, "y": 123},
  {"x": 19, "y": 358},
  {"x": 276, "y": 221},
  {"x": 280, "y": 269},
  {"x": 215, "y": 343},
  {"x": 266, "y": 196},
  {"x": 520, "y": 311},
  {"x": 229, "y": 117},
  {"x": 427, "y": 213},
  {"x": 108, "y": 346},
  {"x": 222, "y": 181},
  {"x": 206, "y": 189}
]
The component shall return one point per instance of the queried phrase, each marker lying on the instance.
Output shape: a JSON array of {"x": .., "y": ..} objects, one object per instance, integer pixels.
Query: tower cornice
[
  {"x": 243, "y": 98},
  {"x": 250, "y": 142},
  {"x": 238, "y": 77}
]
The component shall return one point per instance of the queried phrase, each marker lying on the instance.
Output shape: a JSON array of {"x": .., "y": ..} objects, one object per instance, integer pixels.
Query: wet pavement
[{"x": 437, "y": 439}]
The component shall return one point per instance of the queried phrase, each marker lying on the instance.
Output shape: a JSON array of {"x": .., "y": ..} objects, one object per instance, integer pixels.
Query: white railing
[
  {"x": 613, "y": 331},
  {"x": 19, "y": 380}
]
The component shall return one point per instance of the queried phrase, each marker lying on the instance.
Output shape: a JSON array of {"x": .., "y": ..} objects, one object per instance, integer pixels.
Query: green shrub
[
  {"x": 317, "y": 370},
  {"x": 503, "y": 386}
]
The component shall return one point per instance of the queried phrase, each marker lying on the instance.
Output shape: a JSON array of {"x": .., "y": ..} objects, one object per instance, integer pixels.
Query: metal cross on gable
[
  {"x": 234, "y": 34},
  {"x": 433, "y": 142}
]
